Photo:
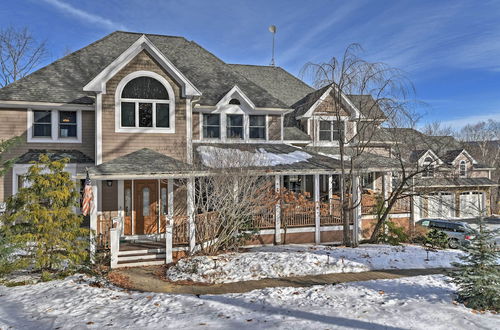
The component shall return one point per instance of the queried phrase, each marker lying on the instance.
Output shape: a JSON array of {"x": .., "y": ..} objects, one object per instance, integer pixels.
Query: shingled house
[{"x": 141, "y": 112}]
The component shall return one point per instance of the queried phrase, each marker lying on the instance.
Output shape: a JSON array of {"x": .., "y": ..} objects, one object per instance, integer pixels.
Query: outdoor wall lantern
[{"x": 109, "y": 183}]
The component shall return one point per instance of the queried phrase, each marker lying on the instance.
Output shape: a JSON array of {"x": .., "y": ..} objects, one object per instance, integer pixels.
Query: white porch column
[
  {"x": 356, "y": 212},
  {"x": 386, "y": 184},
  {"x": 190, "y": 214},
  {"x": 169, "y": 222},
  {"x": 93, "y": 219},
  {"x": 121, "y": 205},
  {"x": 277, "y": 223},
  {"x": 317, "y": 215},
  {"x": 330, "y": 193}
]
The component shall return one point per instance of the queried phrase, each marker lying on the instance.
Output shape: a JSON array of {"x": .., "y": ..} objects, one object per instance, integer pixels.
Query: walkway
[{"x": 146, "y": 279}]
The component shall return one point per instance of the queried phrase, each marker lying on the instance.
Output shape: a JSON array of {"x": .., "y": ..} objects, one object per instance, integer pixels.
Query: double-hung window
[
  {"x": 211, "y": 126},
  {"x": 54, "y": 126},
  {"x": 257, "y": 127},
  {"x": 42, "y": 124},
  {"x": 462, "y": 169},
  {"x": 67, "y": 124},
  {"x": 235, "y": 128},
  {"x": 331, "y": 130},
  {"x": 145, "y": 104}
]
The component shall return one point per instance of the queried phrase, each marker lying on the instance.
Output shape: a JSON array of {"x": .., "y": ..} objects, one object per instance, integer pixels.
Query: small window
[
  {"x": 211, "y": 126},
  {"x": 234, "y": 127},
  {"x": 163, "y": 199},
  {"x": 42, "y": 123},
  {"x": 67, "y": 124},
  {"x": 428, "y": 168},
  {"x": 235, "y": 101},
  {"x": 367, "y": 180},
  {"x": 145, "y": 202},
  {"x": 463, "y": 168},
  {"x": 331, "y": 130},
  {"x": 257, "y": 127}
]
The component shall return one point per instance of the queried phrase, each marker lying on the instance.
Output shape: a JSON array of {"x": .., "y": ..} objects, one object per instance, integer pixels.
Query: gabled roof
[
  {"x": 278, "y": 82},
  {"x": 141, "y": 162},
  {"x": 63, "y": 80},
  {"x": 74, "y": 156}
]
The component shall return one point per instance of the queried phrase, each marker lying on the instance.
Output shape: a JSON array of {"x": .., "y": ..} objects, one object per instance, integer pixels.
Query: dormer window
[
  {"x": 462, "y": 169},
  {"x": 331, "y": 130},
  {"x": 234, "y": 127},
  {"x": 428, "y": 168},
  {"x": 235, "y": 101},
  {"x": 146, "y": 104}
]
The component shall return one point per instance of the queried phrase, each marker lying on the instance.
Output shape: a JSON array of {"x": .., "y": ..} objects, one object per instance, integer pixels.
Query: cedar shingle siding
[{"x": 118, "y": 144}]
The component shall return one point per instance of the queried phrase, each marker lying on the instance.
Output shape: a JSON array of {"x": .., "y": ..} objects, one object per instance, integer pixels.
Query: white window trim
[
  {"x": 223, "y": 127},
  {"x": 460, "y": 169},
  {"x": 331, "y": 119},
  {"x": 54, "y": 128},
  {"x": 119, "y": 100},
  {"x": 22, "y": 169}
]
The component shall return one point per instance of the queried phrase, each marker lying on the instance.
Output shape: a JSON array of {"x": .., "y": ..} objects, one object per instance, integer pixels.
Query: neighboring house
[{"x": 141, "y": 113}]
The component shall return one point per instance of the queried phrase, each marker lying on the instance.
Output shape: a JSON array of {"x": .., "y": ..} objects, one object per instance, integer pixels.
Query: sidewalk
[{"x": 144, "y": 279}]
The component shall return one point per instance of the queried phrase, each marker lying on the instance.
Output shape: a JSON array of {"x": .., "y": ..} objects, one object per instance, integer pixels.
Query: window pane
[
  {"x": 42, "y": 116},
  {"x": 257, "y": 120},
  {"x": 325, "y": 135},
  {"x": 128, "y": 114},
  {"x": 67, "y": 117},
  {"x": 211, "y": 119},
  {"x": 325, "y": 125},
  {"x": 163, "y": 199},
  {"x": 235, "y": 120},
  {"x": 211, "y": 132},
  {"x": 162, "y": 115},
  {"x": 145, "y": 88},
  {"x": 145, "y": 202},
  {"x": 257, "y": 133},
  {"x": 67, "y": 131},
  {"x": 145, "y": 115},
  {"x": 235, "y": 132},
  {"x": 42, "y": 130},
  {"x": 128, "y": 202}
]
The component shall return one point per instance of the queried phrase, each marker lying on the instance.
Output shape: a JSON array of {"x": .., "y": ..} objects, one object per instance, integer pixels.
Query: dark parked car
[{"x": 459, "y": 233}]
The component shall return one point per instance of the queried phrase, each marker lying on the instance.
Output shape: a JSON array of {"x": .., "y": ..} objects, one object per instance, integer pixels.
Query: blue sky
[{"x": 449, "y": 49}]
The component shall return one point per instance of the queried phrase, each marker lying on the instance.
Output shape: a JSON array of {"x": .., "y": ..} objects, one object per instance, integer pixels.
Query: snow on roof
[{"x": 215, "y": 157}]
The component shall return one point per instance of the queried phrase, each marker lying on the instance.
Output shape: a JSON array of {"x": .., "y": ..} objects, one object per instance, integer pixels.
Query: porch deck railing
[{"x": 180, "y": 231}]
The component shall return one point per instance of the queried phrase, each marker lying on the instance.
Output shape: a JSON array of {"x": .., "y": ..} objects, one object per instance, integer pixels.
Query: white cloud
[{"x": 85, "y": 16}]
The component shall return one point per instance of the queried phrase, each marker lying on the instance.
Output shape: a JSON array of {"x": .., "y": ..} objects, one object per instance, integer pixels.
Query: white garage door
[
  {"x": 471, "y": 204},
  {"x": 440, "y": 205}
]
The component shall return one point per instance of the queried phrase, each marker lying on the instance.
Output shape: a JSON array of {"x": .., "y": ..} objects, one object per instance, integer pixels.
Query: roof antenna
[{"x": 272, "y": 29}]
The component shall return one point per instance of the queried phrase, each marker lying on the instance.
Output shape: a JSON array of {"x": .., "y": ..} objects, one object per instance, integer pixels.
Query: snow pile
[
  {"x": 297, "y": 260},
  {"x": 215, "y": 157},
  {"x": 423, "y": 302}
]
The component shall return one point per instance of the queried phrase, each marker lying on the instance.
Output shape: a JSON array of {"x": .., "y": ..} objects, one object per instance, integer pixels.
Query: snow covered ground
[
  {"x": 423, "y": 302},
  {"x": 296, "y": 260}
]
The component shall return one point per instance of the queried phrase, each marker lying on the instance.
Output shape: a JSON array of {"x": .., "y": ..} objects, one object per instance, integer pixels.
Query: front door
[{"x": 146, "y": 200}]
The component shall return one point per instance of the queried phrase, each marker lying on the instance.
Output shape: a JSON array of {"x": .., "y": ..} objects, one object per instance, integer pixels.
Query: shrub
[
  {"x": 436, "y": 239},
  {"x": 393, "y": 234},
  {"x": 478, "y": 275}
]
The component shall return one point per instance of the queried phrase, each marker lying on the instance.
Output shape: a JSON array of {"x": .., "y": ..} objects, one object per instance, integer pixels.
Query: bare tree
[
  {"x": 233, "y": 200},
  {"x": 438, "y": 129},
  {"x": 482, "y": 140},
  {"x": 20, "y": 53},
  {"x": 374, "y": 89}
]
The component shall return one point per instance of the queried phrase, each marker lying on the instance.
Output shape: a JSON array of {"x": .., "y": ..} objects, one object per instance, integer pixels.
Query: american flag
[{"x": 87, "y": 196}]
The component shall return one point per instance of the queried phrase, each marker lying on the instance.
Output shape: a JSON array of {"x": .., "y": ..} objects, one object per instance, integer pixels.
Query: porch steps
[{"x": 139, "y": 254}]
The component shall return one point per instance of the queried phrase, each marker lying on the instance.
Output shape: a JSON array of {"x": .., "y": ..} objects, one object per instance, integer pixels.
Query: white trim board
[{"x": 98, "y": 84}]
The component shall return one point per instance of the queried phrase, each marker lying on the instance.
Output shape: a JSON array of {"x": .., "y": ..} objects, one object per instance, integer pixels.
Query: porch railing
[
  {"x": 180, "y": 231},
  {"x": 104, "y": 225}
]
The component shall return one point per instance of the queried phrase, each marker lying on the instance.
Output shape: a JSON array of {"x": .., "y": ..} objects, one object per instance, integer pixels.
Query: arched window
[
  {"x": 463, "y": 169},
  {"x": 235, "y": 101},
  {"x": 428, "y": 168},
  {"x": 145, "y": 101}
]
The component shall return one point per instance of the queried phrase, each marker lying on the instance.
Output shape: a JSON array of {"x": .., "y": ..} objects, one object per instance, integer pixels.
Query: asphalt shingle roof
[
  {"x": 449, "y": 182},
  {"x": 74, "y": 156},
  {"x": 63, "y": 80},
  {"x": 142, "y": 162}
]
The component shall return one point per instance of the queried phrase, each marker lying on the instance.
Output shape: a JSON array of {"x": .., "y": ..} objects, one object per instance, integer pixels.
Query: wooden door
[{"x": 146, "y": 200}]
